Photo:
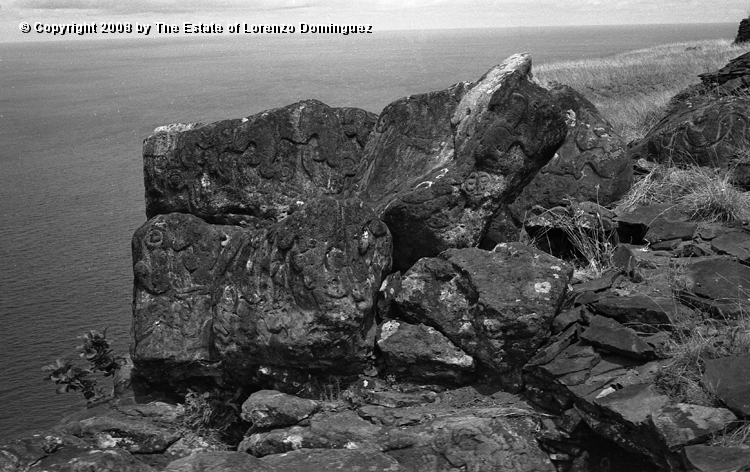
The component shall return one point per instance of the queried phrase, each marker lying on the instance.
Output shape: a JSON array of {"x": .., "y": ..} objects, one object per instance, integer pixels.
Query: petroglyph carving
[
  {"x": 248, "y": 171},
  {"x": 705, "y": 132},
  {"x": 461, "y": 154},
  {"x": 299, "y": 293}
]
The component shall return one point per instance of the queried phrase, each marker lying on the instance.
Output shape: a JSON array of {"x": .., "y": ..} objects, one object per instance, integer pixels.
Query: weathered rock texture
[
  {"x": 591, "y": 165},
  {"x": 216, "y": 300},
  {"x": 269, "y": 408},
  {"x": 718, "y": 286},
  {"x": 255, "y": 170},
  {"x": 439, "y": 165},
  {"x": 705, "y": 132},
  {"x": 423, "y": 436},
  {"x": 496, "y": 306},
  {"x": 728, "y": 377},
  {"x": 737, "y": 68},
  {"x": 743, "y": 32},
  {"x": 423, "y": 353},
  {"x": 246, "y": 263}
]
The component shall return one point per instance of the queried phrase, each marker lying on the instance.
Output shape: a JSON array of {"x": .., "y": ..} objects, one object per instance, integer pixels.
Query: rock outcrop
[
  {"x": 308, "y": 288},
  {"x": 705, "y": 132},
  {"x": 438, "y": 166},
  {"x": 222, "y": 300},
  {"x": 248, "y": 265},
  {"x": 421, "y": 353},
  {"x": 592, "y": 165},
  {"x": 256, "y": 170},
  {"x": 737, "y": 68},
  {"x": 705, "y": 124},
  {"x": 743, "y": 32},
  {"x": 457, "y": 294}
]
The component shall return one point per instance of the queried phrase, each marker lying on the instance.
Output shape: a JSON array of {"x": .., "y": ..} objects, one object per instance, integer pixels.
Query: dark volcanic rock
[
  {"x": 609, "y": 335},
  {"x": 743, "y": 32},
  {"x": 624, "y": 417},
  {"x": 219, "y": 461},
  {"x": 729, "y": 377},
  {"x": 485, "y": 440},
  {"x": 637, "y": 309},
  {"x": 85, "y": 460},
  {"x": 729, "y": 75},
  {"x": 112, "y": 429},
  {"x": 22, "y": 453},
  {"x": 734, "y": 243},
  {"x": 602, "y": 455},
  {"x": 321, "y": 460},
  {"x": 431, "y": 437},
  {"x": 269, "y": 408},
  {"x": 717, "y": 459},
  {"x": 457, "y": 293},
  {"x": 211, "y": 300},
  {"x": 684, "y": 424},
  {"x": 439, "y": 165},
  {"x": 656, "y": 222},
  {"x": 422, "y": 353},
  {"x": 255, "y": 170},
  {"x": 719, "y": 286},
  {"x": 591, "y": 165},
  {"x": 573, "y": 365},
  {"x": 706, "y": 132},
  {"x": 327, "y": 430}
]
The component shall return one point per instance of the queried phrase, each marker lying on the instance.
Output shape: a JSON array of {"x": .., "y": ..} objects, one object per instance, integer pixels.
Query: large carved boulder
[
  {"x": 496, "y": 306},
  {"x": 591, "y": 165},
  {"x": 706, "y": 132},
  {"x": 439, "y": 165},
  {"x": 255, "y": 170},
  {"x": 218, "y": 300}
]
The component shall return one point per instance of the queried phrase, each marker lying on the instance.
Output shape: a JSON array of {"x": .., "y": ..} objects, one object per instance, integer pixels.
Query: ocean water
[{"x": 73, "y": 115}]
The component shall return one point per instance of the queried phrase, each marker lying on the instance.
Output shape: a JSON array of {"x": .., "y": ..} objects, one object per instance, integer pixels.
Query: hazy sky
[{"x": 381, "y": 14}]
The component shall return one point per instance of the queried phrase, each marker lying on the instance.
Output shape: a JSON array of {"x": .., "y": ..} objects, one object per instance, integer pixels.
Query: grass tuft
[
  {"x": 694, "y": 341},
  {"x": 707, "y": 193},
  {"x": 739, "y": 437},
  {"x": 592, "y": 242}
]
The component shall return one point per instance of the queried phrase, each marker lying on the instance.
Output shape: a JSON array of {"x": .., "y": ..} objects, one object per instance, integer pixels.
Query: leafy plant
[
  {"x": 72, "y": 378},
  {"x": 213, "y": 409},
  {"x": 95, "y": 349},
  {"x": 214, "y": 415}
]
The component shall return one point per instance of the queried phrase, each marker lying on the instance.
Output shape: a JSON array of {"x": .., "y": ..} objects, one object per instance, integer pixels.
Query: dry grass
[
  {"x": 593, "y": 245},
  {"x": 739, "y": 437},
  {"x": 632, "y": 89},
  {"x": 696, "y": 340},
  {"x": 707, "y": 193}
]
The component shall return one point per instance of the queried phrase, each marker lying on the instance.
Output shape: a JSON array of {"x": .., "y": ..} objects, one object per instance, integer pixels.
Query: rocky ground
[{"x": 324, "y": 289}]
